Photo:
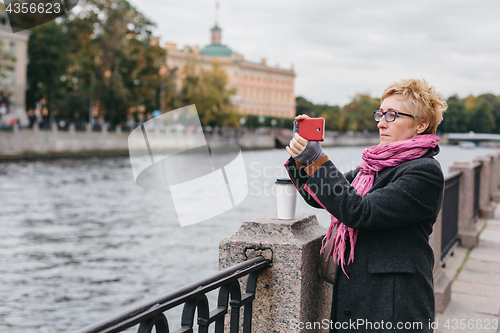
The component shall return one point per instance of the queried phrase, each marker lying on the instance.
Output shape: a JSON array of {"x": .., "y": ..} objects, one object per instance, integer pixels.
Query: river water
[{"x": 79, "y": 241}]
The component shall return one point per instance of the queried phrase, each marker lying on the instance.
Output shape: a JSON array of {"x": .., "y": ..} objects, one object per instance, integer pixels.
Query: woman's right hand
[{"x": 299, "y": 118}]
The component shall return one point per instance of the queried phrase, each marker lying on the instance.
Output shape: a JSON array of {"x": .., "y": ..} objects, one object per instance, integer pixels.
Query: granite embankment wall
[{"x": 36, "y": 143}]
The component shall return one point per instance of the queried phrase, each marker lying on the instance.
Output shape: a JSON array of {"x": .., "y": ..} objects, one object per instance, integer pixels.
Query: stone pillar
[
  {"x": 104, "y": 128},
  {"x": 495, "y": 192},
  {"x": 118, "y": 129},
  {"x": 497, "y": 170},
  {"x": 485, "y": 204},
  {"x": 290, "y": 290},
  {"x": 467, "y": 232},
  {"x": 36, "y": 128},
  {"x": 71, "y": 128},
  {"x": 54, "y": 127},
  {"x": 442, "y": 284},
  {"x": 89, "y": 128}
]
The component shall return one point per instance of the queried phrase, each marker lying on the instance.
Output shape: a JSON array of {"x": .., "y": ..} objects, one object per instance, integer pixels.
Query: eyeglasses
[{"x": 390, "y": 115}]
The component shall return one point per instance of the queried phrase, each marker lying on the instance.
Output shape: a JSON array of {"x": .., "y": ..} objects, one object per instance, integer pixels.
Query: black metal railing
[
  {"x": 449, "y": 214},
  {"x": 150, "y": 315},
  {"x": 477, "y": 186}
]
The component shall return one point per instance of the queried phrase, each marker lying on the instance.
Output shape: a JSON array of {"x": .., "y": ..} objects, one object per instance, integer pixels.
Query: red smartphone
[{"x": 312, "y": 129}]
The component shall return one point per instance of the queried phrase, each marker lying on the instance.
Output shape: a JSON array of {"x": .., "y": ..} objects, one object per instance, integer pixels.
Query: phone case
[{"x": 312, "y": 129}]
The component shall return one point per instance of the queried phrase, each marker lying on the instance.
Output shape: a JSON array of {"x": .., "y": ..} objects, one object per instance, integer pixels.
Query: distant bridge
[{"x": 471, "y": 136}]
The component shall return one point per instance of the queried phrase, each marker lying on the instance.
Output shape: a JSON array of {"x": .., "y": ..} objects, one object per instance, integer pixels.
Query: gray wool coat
[{"x": 390, "y": 279}]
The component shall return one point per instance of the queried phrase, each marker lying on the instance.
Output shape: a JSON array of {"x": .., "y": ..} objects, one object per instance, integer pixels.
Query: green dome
[{"x": 216, "y": 50}]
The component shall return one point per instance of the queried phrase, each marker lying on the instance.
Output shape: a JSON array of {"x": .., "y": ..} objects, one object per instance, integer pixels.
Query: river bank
[{"x": 37, "y": 144}]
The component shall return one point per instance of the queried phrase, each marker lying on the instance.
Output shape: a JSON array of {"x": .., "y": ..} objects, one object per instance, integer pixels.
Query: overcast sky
[{"x": 340, "y": 48}]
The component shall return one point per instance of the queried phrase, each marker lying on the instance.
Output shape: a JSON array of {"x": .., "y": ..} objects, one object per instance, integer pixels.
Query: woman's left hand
[{"x": 297, "y": 145}]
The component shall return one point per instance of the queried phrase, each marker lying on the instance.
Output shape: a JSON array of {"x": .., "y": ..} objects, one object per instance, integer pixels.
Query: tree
[
  {"x": 359, "y": 113},
  {"x": 114, "y": 41},
  {"x": 334, "y": 119},
  {"x": 457, "y": 118},
  {"x": 493, "y": 101},
  {"x": 483, "y": 120},
  {"x": 303, "y": 106},
  {"x": 48, "y": 52},
  {"x": 209, "y": 92}
]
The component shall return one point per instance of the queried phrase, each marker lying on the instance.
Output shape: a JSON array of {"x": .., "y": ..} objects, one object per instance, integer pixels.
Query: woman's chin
[{"x": 384, "y": 139}]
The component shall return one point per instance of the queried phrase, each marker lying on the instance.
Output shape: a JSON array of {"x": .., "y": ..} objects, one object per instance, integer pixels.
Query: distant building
[
  {"x": 261, "y": 89},
  {"x": 13, "y": 88}
]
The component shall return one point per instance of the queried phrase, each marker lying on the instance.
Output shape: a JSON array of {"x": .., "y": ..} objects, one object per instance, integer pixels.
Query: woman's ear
[{"x": 422, "y": 126}]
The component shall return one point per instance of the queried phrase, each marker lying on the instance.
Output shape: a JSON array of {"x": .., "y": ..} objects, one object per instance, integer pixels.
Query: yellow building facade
[{"x": 261, "y": 89}]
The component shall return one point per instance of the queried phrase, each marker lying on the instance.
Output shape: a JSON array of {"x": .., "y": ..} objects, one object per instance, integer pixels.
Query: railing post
[
  {"x": 290, "y": 291},
  {"x": 467, "y": 232},
  {"x": 495, "y": 192},
  {"x": 442, "y": 284},
  {"x": 497, "y": 170},
  {"x": 485, "y": 204},
  {"x": 104, "y": 129}
]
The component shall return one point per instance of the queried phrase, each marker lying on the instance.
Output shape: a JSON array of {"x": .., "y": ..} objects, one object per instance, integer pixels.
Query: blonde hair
[{"x": 421, "y": 101}]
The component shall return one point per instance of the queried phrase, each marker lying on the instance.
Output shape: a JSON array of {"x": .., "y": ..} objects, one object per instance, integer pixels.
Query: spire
[
  {"x": 216, "y": 31},
  {"x": 216, "y": 12}
]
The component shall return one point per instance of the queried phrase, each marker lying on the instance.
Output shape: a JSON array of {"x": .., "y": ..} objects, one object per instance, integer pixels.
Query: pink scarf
[{"x": 374, "y": 159}]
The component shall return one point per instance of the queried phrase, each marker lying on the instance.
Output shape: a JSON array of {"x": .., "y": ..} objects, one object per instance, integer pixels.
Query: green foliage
[
  {"x": 359, "y": 114},
  {"x": 254, "y": 121},
  {"x": 49, "y": 58},
  {"x": 483, "y": 120},
  {"x": 208, "y": 90},
  {"x": 109, "y": 40},
  {"x": 457, "y": 118},
  {"x": 480, "y": 114},
  {"x": 355, "y": 116},
  {"x": 75, "y": 106},
  {"x": 114, "y": 41},
  {"x": 334, "y": 121}
]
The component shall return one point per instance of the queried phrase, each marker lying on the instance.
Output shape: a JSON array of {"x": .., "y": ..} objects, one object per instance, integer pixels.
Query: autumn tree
[
  {"x": 208, "y": 90},
  {"x": 113, "y": 42},
  {"x": 359, "y": 113}
]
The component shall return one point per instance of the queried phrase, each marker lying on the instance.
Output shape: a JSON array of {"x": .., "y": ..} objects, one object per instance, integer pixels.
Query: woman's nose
[{"x": 382, "y": 123}]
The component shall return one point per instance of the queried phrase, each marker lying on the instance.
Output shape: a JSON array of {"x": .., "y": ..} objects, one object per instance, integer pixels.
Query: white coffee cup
[{"x": 286, "y": 196}]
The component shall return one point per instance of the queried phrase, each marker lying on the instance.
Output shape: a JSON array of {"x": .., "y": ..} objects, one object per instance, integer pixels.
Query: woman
[{"x": 382, "y": 213}]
